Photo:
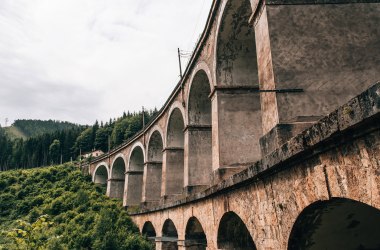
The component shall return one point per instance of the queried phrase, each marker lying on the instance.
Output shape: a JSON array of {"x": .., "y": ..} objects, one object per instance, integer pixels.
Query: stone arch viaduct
[{"x": 271, "y": 140}]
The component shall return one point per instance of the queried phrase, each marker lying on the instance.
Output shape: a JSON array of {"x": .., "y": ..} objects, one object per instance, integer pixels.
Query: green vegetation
[
  {"x": 15, "y": 133},
  {"x": 59, "y": 208},
  {"x": 30, "y": 128},
  {"x": 66, "y": 142},
  {"x": 37, "y": 151}
]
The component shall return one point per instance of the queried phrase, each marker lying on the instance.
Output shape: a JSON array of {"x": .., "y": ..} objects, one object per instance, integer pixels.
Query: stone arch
[
  {"x": 100, "y": 175},
  {"x": 233, "y": 233},
  {"x": 236, "y": 99},
  {"x": 338, "y": 223},
  {"x": 195, "y": 237},
  {"x": 198, "y": 101},
  {"x": 173, "y": 157},
  {"x": 201, "y": 67},
  {"x": 175, "y": 123},
  {"x": 155, "y": 146},
  {"x": 149, "y": 231},
  {"x": 118, "y": 157},
  {"x": 134, "y": 175},
  {"x": 198, "y": 133},
  {"x": 153, "y": 130},
  {"x": 235, "y": 50},
  {"x": 169, "y": 235},
  {"x": 117, "y": 177},
  {"x": 153, "y": 167}
]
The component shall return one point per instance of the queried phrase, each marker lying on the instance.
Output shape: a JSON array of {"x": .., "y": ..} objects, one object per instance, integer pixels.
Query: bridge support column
[
  {"x": 172, "y": 173},
  {"x": 115, "y": 188},
  {"x": 152, "y": 183},
  {"x": 296, "y": 95},
  {"x": 167, "y": 243},
  {"x": 158, "y": 243},
  {"x": 198, "y": 158},
  {"x": 133, "y": 188},
  {"x": 236, "y": 130}
]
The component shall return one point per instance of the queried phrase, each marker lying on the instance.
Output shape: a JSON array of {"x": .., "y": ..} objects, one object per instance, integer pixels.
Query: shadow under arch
[
  {"x": 100, "y": 175},
  {"x": 173, "y": 163},
  {"x": 134, "y": 176},
  {"x": 198, "y": 134},
  {"x": 169, "y": 236},
  {"x": 237, "y": 95},
  {"x": 149, "y": 231},
  {"x": 236, "y": 58},
  {"x": 233, "y": 233},
  {"x": 195, "y": 237},
  {"x": 117, "y": 180},
  {"x": 338, "y": 223},
  {"x": 153, "y": 168}
]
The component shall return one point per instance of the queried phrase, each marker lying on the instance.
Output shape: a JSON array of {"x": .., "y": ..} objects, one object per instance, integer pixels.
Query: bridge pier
[
  {"x": 152, "y": 182},
  {"x": 236, "y": 130},
  {"x": 172, "y": 172},
  {"x": 133, "y": 188},
  {"x": 303, "y": 79},
  {"x": 115, "y": 188},
  {"x": 198, "y": 158}
]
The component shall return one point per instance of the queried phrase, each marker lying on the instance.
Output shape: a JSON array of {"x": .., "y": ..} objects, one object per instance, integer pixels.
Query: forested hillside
[
  {"x": 67, "y": 143},
  {"x": 59, "y": 208},
  {"x": 30, "y": 128}
]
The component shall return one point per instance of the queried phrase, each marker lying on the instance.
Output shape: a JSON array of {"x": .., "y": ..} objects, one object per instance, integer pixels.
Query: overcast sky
[{"x": 82, "y": 60}]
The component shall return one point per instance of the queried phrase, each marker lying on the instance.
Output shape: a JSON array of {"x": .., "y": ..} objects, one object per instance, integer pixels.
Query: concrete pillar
[
  {"x": 169, "y": 243},
  {"x": 198, "y": 158},
  {"x": 115, "y": 188},
  {"x": 181, "y": 244},
  {"x": 305, "y": 75},
  {"x": 172, "y": 172},
  {"x": 236, "y": 130},
  {"x": 152, "y": 182},
  {"x": 133, "y": 188},
  {"x": 194, "y": 245},
  {"x": 158, "y": 243},
  {"x": 100, "y": 179}
]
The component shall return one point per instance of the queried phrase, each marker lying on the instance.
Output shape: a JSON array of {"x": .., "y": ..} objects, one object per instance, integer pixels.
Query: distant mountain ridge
[{"x": 31, "y": 128}]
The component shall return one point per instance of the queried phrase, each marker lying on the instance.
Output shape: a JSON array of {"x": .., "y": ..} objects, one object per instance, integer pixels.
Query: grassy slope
[{"x": 83, "y": 218}]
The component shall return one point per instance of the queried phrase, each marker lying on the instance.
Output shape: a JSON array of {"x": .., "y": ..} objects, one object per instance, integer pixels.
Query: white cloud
[{"x": 81, "y": 60}]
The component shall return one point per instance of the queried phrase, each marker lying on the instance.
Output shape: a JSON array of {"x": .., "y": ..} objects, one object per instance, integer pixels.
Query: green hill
[
  {"x": 59, "y": 208},
  {"x": 31, "y": 128},
  {"x": 14, "y": 133}
]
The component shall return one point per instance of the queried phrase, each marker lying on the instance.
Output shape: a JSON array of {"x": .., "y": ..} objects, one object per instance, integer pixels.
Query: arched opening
[
  {"x": 175, "y": 129},
  {"x": 336, "y": 224},
  {"x": 173, "y": 169},
  {"x": 169, "y": 236},
  {"x": 236, "y": 46},
  {"x": 236, "y": 98},
  {"x": 117, "y": 180},
  {"x": 233, "y": 234},
  {"x": 149, "y": 231},
  {"x": 153, "y": 169},
  {"x": 101, "y": 175},
  {"x": 199, "y": 102},
  {"x": 195, "y": 238},
  {"x": 198, "y": 151},
  {"x": 135, "y": 177}
]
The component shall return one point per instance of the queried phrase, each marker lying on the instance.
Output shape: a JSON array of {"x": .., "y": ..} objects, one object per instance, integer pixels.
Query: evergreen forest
[{"x": 41, "y": 143}]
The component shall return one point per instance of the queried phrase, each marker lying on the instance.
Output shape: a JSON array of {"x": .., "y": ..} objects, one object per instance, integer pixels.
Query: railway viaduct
[{"x": 271, "y": 139}]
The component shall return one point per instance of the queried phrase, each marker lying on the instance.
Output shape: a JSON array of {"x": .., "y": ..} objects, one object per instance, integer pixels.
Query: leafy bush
[{"x": 76, "y": 213}]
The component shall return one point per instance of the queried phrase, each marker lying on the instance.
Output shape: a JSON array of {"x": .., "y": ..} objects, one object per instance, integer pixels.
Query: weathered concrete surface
[
  {"x": 324, "y": 50},
  {"x": 337, "y": 157}
]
